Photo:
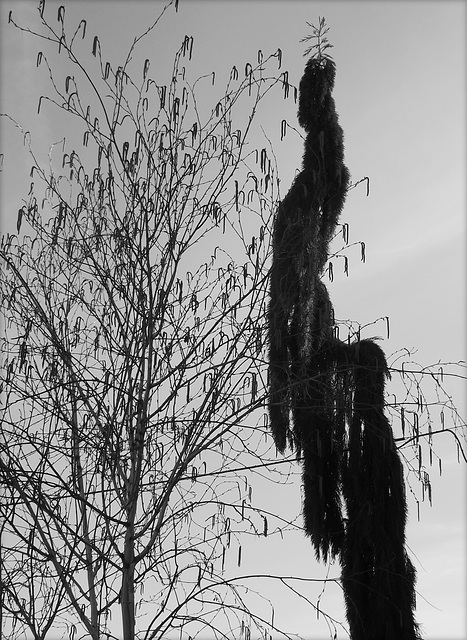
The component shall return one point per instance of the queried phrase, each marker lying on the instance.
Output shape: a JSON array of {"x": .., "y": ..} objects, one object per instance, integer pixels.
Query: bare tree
[
  {"x": 133, "y": 370},
  {"x": 132, "y": 352}
]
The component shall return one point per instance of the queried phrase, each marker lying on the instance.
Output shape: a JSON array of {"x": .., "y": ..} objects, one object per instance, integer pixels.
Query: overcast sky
[{"x": 400, "y": 94}]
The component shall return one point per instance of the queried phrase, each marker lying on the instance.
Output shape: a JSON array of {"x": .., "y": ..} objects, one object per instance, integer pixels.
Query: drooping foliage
[{"x": 327, "y": 396}]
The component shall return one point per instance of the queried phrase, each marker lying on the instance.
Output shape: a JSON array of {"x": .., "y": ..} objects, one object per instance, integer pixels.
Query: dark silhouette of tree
[{"x": 354, "y": 496}]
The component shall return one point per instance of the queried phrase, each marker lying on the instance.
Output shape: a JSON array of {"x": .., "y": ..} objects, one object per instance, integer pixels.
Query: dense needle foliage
[{"x": 354, "y": 496}]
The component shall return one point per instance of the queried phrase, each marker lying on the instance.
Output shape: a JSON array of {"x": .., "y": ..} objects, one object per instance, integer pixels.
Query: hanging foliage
[{"x": 326, "y": 397}]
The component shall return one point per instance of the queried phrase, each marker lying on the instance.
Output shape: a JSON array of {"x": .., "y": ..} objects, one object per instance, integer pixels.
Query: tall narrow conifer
[{"x": 327, "y": 397}]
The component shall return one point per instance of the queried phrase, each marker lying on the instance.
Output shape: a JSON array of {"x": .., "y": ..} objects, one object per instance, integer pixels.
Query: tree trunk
[{"x": 128, "y": 584}]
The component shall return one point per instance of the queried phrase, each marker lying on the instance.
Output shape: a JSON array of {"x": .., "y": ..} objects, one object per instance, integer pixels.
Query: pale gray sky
[{"x": 400, "y": 94}]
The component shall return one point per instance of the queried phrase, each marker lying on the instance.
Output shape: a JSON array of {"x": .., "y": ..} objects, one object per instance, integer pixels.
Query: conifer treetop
[{"x": 321, "y": 43}]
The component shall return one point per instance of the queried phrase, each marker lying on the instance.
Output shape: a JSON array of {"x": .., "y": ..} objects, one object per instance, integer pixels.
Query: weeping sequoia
[{"x": 334, "y": 391}]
